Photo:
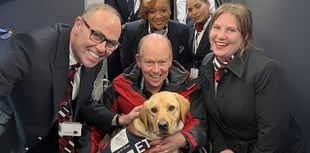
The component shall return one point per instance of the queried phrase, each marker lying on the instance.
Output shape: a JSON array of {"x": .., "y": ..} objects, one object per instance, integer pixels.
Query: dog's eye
[
  {"x": 153, "y": 110},
  {"x": 171, "y": 108}
]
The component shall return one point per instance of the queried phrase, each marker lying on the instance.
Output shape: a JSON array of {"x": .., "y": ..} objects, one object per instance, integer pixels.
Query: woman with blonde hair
[{"x": 245, "y": 90}]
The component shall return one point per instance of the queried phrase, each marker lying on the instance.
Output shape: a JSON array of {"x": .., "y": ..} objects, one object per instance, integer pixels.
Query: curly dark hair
[{"x": 145, "y": 6}]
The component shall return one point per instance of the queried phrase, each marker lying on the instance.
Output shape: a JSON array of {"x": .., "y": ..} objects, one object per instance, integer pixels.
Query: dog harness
[{"x": 126, "y": 142}]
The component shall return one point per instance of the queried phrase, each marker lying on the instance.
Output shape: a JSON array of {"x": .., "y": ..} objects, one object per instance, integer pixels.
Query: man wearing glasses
[{"x": 34, "y": 77}]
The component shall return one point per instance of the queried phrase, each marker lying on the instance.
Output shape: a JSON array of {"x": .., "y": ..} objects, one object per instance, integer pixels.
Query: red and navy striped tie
[{"x": 66, "y": 144}]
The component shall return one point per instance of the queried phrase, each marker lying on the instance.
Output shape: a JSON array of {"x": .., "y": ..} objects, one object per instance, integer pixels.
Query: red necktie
[
  {"x": 219, "y": 68},
  {"x": 66, "y": 144},
  {"x": 198, "y": 28}
]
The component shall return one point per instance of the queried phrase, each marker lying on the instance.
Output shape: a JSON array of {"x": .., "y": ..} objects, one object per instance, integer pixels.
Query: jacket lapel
[
  {"x": 191, "y": 35},
  {"x": 204, "y": 42},
  {"x": 207, "y": 68},
  {"x": 86, "y": 86},
  {"x": 60, "y": 68}
]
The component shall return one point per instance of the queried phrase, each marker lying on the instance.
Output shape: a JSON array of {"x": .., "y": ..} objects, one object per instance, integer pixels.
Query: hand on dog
[
  {"x": 134, "y": 113},
  {"x": 169, "y": 144}
]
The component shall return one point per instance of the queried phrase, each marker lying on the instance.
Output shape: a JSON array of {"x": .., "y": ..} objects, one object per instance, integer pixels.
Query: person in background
[
  {"x": 129, "y": 11},
  {"x": 35, "y": 90},
  {"x": 198, "y": 11},
  {"x": 182, "y": 13},
  {"x": 245, "y": 90},
  {"x": 155, "y": 71},
  {"x": 155, "y": 18},
  {"x": 112, "y": 67}
]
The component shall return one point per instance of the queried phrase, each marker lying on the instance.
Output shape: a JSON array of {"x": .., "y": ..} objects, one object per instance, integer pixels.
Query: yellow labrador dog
[{"x": 163, "y": 114}]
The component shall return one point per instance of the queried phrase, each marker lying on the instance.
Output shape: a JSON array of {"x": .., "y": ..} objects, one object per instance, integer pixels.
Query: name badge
[
  {"x": 194, "y": 72},
  {"x": 70, "y": 129}
]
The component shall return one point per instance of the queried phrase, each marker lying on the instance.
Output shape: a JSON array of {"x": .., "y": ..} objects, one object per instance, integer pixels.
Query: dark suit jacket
[
  {"x": 177, "y": 34},
  {"x": 122, "y": 7},
  {"x": 33, "y": 75},
  {"x": 203, "y": 47}
]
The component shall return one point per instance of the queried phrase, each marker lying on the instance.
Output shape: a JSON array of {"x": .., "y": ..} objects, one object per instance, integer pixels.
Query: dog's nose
[{"x": 163, "y": 125}]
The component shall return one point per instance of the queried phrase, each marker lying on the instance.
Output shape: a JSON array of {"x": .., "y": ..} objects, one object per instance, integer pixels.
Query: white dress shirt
[{"x": 77, "y": 75}]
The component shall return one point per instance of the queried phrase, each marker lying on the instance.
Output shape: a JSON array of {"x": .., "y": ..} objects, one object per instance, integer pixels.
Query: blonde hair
[{"x": 244, "y": 17}]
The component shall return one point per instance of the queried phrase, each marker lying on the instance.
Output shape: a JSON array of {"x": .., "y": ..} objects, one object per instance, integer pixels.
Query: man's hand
[
  {"x": 126, "y": 119},
  {"x": 169, "y": 144}
]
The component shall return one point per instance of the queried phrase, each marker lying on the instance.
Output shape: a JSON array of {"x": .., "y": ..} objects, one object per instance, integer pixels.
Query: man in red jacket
[{"x": 156, "y": 71}]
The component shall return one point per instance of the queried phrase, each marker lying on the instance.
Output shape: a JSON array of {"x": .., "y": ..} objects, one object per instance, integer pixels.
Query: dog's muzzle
[{"x": 163, "y": 126}]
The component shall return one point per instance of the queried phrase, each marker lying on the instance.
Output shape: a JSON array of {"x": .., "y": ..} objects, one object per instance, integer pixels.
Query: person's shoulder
[
  {"x": 190, "y": 23},
  {"x": 176, "y": 28},
  {"x": 261, "y": 61},
  {"x": 47, "y": 32},
  {"x": 135, "y": 23},
  {"x": 56, "y": 28},
  {"x": 176, "y": 24},
  {"x": 207, "y": 58},
  {"x": 260, "y": 56}
]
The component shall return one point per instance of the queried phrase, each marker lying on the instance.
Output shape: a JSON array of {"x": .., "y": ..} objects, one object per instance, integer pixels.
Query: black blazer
[
  {"x": 33, "y": 76},
  {"x": 250, "y": 112},
  {"x": 203, "y": 47},
  {"x": 177, "y": 34}
]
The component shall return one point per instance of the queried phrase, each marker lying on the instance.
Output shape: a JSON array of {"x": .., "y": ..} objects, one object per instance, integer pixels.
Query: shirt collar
[
  {"x": 72, "y": 59},
  {"x": 164, "y": 31},
  {"x": 205, "y": 25}
]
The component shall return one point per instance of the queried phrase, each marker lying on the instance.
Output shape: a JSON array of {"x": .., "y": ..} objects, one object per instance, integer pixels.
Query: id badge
[
  {"x": 194, "y": 72},
  {"x": 70, "y": 129}
]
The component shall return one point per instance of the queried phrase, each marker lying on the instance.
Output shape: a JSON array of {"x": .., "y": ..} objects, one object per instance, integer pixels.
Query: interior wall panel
[
  {"x": 23, "y": 15},
  {"x": 281, "y": 29}
]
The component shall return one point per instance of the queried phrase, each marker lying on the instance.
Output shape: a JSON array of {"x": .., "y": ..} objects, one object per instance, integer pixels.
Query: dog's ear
[
  {"x": 143, "y": 115},
  {"x": 184, "y": 105}
]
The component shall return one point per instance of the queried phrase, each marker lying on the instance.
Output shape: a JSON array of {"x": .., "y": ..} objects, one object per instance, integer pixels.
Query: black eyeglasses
[{"x": 98, "y": 37}]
